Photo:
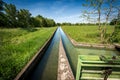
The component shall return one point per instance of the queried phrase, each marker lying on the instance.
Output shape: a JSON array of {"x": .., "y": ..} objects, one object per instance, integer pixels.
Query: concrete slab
[{"x": 64, "y": 69}]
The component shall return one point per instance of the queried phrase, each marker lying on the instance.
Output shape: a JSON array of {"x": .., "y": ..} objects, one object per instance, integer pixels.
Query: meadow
[
  {"x": 85, "y": 33},
  {"x": 18, "y": 46}
]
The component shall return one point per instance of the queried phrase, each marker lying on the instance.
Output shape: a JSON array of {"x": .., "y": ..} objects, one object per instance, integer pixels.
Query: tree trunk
[
  {"x": 102, "y": 35},
  {"x": 99, "y": 13}
]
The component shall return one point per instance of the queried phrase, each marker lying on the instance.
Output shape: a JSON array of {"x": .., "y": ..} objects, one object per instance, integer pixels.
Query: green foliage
[
  {"x": 50, "y": 22},
  {"x": 35, "y": 22},
  {"x": 11, "y": 14},
  {"x": 116, "y": 21},
  {"x": 66, "y": 24},
  {"x": 113, "y": 22},
  {"x": 116, "y": 35},
  {"x": 17, "y": 47},
  {"x": 78, "y": 24},
  {"x": 2, "y": 15},
  {"x": 45, "y": 22},
  {"x": 24, "y": 18},
  {"x": 42, "y": 22},
  {"x": 13, "y": 18},
  {"x": 1, "y": 6},
  {"x": 3, "y": 20}
]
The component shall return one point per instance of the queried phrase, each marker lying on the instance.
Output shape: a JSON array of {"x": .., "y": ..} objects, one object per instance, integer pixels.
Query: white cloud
[
  {"x": 72, "y": 19},
  {"x": 61, "y": 10}
]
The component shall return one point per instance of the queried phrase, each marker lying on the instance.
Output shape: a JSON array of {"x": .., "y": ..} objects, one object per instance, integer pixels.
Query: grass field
[
  {"x": 85, "y": 34},
  {"x": 17, "y": 46}
]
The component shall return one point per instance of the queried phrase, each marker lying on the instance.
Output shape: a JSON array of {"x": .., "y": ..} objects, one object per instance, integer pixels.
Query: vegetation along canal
[{"x": 47, "y": 67}]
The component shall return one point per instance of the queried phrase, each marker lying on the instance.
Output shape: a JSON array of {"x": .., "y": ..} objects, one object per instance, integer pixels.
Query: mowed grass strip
[
  {"x": 86, "y": 34},
  {"x": 18, "y": 46}
]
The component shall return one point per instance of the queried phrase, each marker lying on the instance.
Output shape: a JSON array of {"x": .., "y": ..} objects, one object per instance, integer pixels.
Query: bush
[{"x": 116, "y": 35}]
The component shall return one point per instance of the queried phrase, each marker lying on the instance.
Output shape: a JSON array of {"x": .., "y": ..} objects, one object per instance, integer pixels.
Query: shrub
[{"x": 116, "y": 35}]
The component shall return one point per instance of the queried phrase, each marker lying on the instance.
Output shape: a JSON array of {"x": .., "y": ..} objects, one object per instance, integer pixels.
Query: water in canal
[{"x": 47, "y": 67}]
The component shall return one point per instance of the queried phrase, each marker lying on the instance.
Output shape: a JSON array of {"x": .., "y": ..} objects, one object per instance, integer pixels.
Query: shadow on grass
[{"x": 30, "y": 29}]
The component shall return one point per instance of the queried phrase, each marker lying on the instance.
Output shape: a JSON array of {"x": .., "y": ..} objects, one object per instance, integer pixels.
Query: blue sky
[{"x": 59, "y": 10}]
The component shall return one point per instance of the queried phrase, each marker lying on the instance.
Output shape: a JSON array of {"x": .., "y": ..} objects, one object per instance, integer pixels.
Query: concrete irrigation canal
[{"x": 58, "y": 59}]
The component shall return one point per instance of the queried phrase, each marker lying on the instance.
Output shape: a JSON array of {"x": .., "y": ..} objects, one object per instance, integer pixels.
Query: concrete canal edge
[
  {"x": 29, "y": 67},
  {"x": 64, "y": 69},
  {"x": 100, "y": 46}
]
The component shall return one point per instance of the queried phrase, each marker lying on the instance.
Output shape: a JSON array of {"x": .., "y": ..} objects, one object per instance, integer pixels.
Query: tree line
[
  {"x": 80, "y": 24},
  {"x": 10, "y": 17}
]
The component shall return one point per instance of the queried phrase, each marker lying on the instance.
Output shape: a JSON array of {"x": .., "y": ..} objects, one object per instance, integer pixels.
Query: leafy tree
[
  {"x": 53, "y": 22},
  {"x": 50, "y": 22},
  {"x": 45, "y": 22},
  {"x": 113, "y": 22},
  {"x": 65, "y": 23},
  {"x": 11, "y": 17},
  {"x": 35, "y": 22},
  {"x": 11, "y": 14},
  {"x": 2, "y": 15},
  {"x": 24, "y": 18},
  {"x": 116, "y": 35},
  {"x": 58, "y": 24},
  {"x": 42, "y": 21},
  {"x": 1, "y": 6}
]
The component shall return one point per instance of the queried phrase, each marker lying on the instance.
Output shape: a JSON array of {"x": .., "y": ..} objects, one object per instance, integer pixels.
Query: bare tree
[{"x": 103, "y": 9}]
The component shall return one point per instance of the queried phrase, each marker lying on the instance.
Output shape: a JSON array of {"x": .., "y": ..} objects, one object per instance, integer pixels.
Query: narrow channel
[
  {"x": 47, "y": 67},
  {"x": 70, "y": 51}
]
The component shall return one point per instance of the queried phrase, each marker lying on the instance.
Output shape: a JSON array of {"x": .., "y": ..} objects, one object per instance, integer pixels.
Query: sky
[{"x": 59, "y": 10}]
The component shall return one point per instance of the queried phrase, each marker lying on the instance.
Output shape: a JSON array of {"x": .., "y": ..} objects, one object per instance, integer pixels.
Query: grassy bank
[
  {"x": 17, "y": 46},
  {"x": 85, "y": 34}
]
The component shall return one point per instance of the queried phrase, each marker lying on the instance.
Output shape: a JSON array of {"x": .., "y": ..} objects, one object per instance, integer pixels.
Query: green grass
[
  {"x": 17, "y": 47},
  {"x": 85, "y": 34}
]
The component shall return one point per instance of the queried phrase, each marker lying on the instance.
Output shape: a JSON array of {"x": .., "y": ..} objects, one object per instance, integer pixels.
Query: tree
[
  {"x": 101, "y": 8},
  {"x": 11, "y": 17},
  {"x": 45, "y": 22},
  {"x": 50, "y": 22},
  {"x": 116, "y": 35},
  {"x": 1, "y": 6},
  {"x": 11, "y": 14},
  {"x": 97, "y": 6},
  {"x": 35, "y": 22},
  {"x": 116, "y": 21},
  {"x": 24, "y": 18},
  {"x": 42, "y": 21},
  {"x": 2, "y": 15}
]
